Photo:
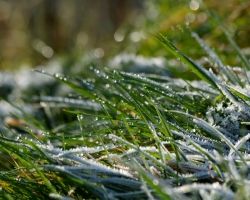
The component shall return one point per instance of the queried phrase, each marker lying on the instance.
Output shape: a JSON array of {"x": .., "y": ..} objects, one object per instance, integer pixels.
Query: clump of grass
[{"x": 135, "y": 136}]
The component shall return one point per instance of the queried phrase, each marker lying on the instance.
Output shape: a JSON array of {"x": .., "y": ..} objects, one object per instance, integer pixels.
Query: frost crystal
[{"x": 228, "y": 117}]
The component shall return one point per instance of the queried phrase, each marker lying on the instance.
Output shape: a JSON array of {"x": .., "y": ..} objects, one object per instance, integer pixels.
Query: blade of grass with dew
[
  {"x": 211, "y": 130},
  {"x": 199, "y": 70},
  {"x": 239, "y": 94},
  {"x": 228, "y": 73}
]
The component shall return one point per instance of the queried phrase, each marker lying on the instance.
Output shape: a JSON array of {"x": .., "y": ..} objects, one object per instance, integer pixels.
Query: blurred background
[{"x": 35, "y": 31}]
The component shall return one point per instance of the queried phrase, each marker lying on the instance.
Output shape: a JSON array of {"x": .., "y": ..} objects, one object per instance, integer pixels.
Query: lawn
[{"x": 172, "y": 124}]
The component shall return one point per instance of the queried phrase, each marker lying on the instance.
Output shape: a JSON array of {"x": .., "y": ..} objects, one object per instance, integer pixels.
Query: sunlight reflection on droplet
[
  {"x": 99, "y": 53},
  {"x": 190, "y": 18},
  {"x": 47, "y": 52},
  {"x": 136, "y": 36},
  {"x": 202, "y": 17},
  {"x": 194, "y": 5},
  {"x": 43, "y": 48},
  {"x": 118, "y": 36}
]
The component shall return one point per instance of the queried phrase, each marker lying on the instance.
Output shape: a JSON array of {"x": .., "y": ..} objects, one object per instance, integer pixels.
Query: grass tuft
[{"x": 125, "y": 135}]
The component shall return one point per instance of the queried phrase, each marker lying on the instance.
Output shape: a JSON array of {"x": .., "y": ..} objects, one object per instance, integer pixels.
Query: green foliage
[
  {"x": 134, "y": 136},
  {"x": 124, "y": 134}
]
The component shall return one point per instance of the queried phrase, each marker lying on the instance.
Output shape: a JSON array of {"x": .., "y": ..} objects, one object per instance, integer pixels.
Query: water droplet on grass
[
  {"x": 155, "y": 182},
  {"x": 107, "y": 86},
  {"x": 57, "y": 75},
  {"x": 194, "y": 5}
]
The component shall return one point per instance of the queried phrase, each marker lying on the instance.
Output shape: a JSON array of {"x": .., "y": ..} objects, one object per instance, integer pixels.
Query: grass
[{"x": 134, "y": 136}]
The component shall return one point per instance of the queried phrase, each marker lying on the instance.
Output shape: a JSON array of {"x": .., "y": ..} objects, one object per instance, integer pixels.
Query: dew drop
[
  {"x": 57, "y": 75},
  {"x": 194, "y": 5},
  {"x": 107, "y": 86},
  {"x": 155, "y": 182}
]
